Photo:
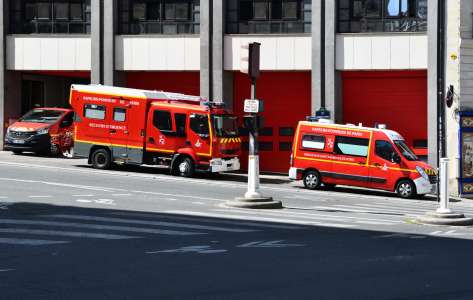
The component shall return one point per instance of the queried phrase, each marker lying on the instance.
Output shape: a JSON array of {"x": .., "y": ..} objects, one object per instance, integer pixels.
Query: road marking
[
  {"x": 67, "y": 233},
  {"x": 6, "y": 270},
  {"x": 198, "y": 203},
  {"x": 3, "y": 197},
  {"x": 274, "y": 220},
  {"x": 268, "y": 244},
  {"x": 29, "y": 242},
  {"x": 447, "y": 233},
  {"x": 192, "y": 217},
  {"x": 101, "y": 227},
  {"x": 170, "y": 199},
  {"x": 46, "y": 196},
  {"x": 119, "y": 195},
  {"x": 83, "y": 195},
  {"x": 196, "y": 249},
  {"x": 400, "y": 235},
  {"x": 77, "y": 186},
  {"x": 84, "y": 200},
  {"x": 153, "y": 223},
  {"x": 105, "y": 201}
]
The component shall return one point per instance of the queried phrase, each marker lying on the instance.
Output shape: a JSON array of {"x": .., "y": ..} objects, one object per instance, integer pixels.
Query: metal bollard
[{"x": 443, "y": 177}]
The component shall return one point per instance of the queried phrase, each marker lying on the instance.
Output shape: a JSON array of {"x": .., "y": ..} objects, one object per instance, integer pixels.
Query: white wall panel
[
  {"x": 56, "y": 53},
  {"x": 163, "y": 53},
  {"x": 277, "y": 52},
  {"x": 390, "y": 51}
]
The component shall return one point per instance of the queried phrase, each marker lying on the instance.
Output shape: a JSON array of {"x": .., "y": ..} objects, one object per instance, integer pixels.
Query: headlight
[
  {"x": 43, "y": 131},
  {"x": 8, "y": 131},
  {"x": 422, "y": 173}
]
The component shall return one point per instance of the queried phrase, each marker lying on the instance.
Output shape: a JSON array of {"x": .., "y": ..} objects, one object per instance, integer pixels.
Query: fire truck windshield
[
  {"x": 405, "y": 150},
  {"x": 225, "y": 125},
  {"x": 42, "y": 116}
]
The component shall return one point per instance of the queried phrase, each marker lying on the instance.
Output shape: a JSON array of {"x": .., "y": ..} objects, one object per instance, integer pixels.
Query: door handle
[{"x": 151, "y": 140}]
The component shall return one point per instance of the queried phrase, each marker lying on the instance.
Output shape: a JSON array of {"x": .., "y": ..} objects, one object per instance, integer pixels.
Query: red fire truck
[{"x": 131, "y": 126}]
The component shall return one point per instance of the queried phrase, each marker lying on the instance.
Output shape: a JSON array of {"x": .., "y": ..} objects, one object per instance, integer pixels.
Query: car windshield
[
  {"x": 405, "y": 150},
  {"x": 42, "y": 116},
  {"x": 225, "y": 125}
]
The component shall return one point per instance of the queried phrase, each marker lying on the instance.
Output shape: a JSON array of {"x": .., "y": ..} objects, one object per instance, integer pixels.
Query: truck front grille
[{"x": 21, "y": 134}]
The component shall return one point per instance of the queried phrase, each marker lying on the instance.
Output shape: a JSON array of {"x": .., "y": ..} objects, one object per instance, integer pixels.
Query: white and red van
[
  {"x": 46, "y": 130},
  {"x": 376, "y": 158}
]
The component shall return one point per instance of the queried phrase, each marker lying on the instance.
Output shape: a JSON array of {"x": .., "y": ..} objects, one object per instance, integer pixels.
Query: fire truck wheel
[
  {"x": 185, "y": 167},
  {"x": 101, "y": 159},
  {"x": 311, "y": 179},
  {"x": 406, "y": 189}
]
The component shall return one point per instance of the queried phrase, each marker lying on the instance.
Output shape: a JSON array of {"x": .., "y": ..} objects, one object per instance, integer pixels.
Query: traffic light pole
[{"x": 253, "y": 153}]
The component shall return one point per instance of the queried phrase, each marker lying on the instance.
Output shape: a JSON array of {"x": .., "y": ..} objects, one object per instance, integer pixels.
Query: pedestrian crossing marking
[{"x": 67, "y": 233}]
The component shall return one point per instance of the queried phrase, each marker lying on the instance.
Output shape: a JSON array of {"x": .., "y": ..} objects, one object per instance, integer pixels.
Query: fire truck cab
[
  {"x": 332, "y": 154},
  {"x": 131, "y": 126}
]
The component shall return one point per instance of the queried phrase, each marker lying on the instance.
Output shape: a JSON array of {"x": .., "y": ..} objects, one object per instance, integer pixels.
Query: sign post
[{"x": 253, "y": 197}]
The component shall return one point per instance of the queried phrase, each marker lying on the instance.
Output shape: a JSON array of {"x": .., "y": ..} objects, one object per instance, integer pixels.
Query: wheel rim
[
  {"x": 405, "y": 189},
  {"x": 311, "y": 180},
  {"x": 100, "y": 159},
  {"x": 183, "y": 167}
]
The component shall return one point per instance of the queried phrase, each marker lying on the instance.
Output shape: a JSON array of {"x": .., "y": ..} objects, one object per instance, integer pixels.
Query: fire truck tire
[
  {"x": 101, "y": 159},
  {"x": 406, "y": 189},
  {"x": 184, "y": 167},
  {"x": 311, "y": 179}
]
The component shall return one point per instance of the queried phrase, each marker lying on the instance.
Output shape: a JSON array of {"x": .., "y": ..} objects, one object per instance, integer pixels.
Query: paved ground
[{"x": 68, "y": 231}]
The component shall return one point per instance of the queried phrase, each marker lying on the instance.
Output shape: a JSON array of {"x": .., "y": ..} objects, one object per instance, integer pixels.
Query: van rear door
[{"x": 119, "y": 131}]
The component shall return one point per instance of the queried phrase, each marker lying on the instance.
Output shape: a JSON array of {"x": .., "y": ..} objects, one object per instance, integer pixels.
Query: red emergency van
[
  {"x": 41, "y": 130},
  {"x": 132, "y": 126},
  {"x": 332, "y": 154}
]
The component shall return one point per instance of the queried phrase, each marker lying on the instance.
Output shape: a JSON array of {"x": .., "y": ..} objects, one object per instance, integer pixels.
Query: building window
[
  {"x": 159, "y": 16},
  {"x": 382, "y": 16},
  {"x": 268, "y": 16},
  {"x": 49, "y": 16}
]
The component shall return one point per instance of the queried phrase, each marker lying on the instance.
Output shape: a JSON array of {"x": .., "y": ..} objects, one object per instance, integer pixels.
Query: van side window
[
  {"x": 119, "y": 114},
  {"x": 162, "y": 120},
  {"x": 93, "y": 111},
  {"x": 180, "y": 120},
  {"x": 351, "y": 146},
  {"x": 385, "y": 150},
  {"x": 311, "y": 141}
]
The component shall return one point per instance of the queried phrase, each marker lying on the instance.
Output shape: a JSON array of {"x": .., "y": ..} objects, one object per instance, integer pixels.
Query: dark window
[
  {"x": 50, "y": 16},
  {"x": 385, "y": 150},
  {"x": 159, "y": 16},
  {"x": 382, "y": 15},
  {"x": 265, "y": 146},
  {"x": 119, "y": 114},
  {"x": 419, "y": 143},
  {"x": 266, "y": 131},
  {"x": 199, "y": 124},
  {"x": 286, "y": 131},
  {"x": 162, "y": 120},
  {"x": 311, "y": 141},
  {"x": 285, "y": 146},
  {"x": 351, "y": 146},
  {"x": 268, "y": 16},
  {"x": 93, "y": 111},
  {"x": 68, "y": 120},
  {"x": 180, "y": 120}
]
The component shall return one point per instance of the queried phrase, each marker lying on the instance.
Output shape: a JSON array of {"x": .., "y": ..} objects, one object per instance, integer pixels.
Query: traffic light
[
  {"x": 249, "y": 59},
  {"x": 449, "y": 96}
]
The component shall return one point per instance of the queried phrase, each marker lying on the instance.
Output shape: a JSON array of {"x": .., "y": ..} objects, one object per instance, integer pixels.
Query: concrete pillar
[
  {"x": 316, "y": 79},
  {"x": 3, "y": 23},
  {"x": 333, "y": 100},
  {"x": 109, "y": 9},
  {"x": 217, "y": 49},
  {"x": 206, "y": 48},
  {"x": 96, "y": 67},
  {"x": 432, "y": 122}
]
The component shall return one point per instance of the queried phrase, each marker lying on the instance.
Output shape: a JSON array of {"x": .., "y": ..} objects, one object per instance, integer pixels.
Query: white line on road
[
  {"x": 29, "y": 242},
  {"x": 119, "y": 195},
  {"x": 198, "y": 203},
  {"x": 153, "y": 223},
  {"x": 6, "y": 270},
  {"x": 3, "y": 197},
  {"x": 192, "y": 216},
  {"x": 100, "y": 227},
  {"x": 84, "y": 200},
  {"x": 83, "y": 195},
  {"x": 67, "y": 233},
  {"x": 45, "y": 196},
  {"x": 76, "y": 186}
]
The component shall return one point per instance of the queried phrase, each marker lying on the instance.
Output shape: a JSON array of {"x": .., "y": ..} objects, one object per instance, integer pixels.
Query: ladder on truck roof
[{"x": 138, "y": 93}]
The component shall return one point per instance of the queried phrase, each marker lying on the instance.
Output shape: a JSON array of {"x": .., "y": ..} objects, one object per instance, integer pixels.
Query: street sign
[{"x": 253, "y": 106}]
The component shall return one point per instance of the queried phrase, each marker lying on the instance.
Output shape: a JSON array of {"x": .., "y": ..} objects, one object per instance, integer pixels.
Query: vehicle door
[
  {"x": 94, "y": 127},
  {"x": 180, "y": 123},
  {"x": 384, "y": 170},
  {"x": 65, "y": 131},
  {"x": 119, "y": 131},
  {"x": 160, "y": 135},
  {"x": 199, "y": 134},
  {"x": 350, "y": 162}
]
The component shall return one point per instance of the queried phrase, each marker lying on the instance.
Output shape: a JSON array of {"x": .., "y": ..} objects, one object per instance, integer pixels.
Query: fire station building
[{"x": 364, "y": 60}]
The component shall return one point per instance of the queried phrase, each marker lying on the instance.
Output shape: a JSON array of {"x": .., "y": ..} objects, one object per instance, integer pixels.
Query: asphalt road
[{"x": 71, "y": 232}]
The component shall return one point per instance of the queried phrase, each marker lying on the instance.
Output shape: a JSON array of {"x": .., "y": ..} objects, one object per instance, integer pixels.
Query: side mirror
[{"x": 395, "y": 158}]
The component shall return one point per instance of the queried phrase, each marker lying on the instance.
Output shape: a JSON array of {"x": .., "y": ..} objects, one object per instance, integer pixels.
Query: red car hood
[{"x": 28, "y": 126}]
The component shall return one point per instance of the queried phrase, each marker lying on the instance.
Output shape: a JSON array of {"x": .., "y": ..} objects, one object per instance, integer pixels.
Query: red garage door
[
  {"x": 286, "y": 98},
  {"x": 395, "y": 98},
  {"x": 177, "y": 82}
]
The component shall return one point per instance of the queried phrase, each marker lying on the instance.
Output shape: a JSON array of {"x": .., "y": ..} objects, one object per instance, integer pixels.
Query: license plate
[{"x": 18, "y": 141}]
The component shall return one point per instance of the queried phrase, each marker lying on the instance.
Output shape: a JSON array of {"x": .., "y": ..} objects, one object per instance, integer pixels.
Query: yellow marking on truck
[
  {"x": 108, "y": 144},
  {"x": 159, "y": 150}
]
